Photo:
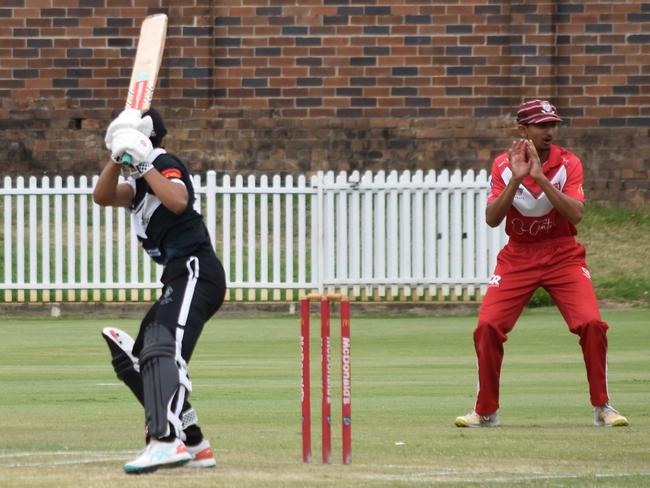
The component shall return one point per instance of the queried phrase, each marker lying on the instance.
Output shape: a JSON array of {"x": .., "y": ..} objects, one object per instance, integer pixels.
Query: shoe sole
[
  {"x": 616, "y": 423},
  {"x": 155, "y": 467},
  {"x": 462, "y": 423},
  {"x": 201, "y": 463}
]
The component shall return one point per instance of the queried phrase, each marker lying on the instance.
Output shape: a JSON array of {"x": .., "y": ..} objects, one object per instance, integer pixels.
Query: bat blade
[{"x": 148, "y": 58}]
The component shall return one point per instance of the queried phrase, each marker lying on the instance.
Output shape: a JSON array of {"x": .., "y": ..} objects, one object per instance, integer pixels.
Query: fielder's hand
[
  {"x": 535, "y": 164},
  {"x": 129, "y": 118},
  {"x": 519, "y": 165}
]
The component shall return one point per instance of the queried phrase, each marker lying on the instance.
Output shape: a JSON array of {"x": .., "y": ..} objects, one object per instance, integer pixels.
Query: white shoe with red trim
[
  {"x": 202, "y": 455},
  {"x": 159, "y": 454}
]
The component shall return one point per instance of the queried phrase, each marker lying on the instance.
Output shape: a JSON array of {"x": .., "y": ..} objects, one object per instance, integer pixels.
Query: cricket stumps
[{"x": 346, "y": 376}]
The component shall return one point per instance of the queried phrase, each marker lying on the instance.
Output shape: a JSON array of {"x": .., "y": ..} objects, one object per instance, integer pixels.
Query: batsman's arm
[
  {"x": 171, "y": 193},
  {"x": 108, "y": 192}
]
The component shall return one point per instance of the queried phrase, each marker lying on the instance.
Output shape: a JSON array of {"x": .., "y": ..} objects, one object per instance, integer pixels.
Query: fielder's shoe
[
  {"x": 607, "y": 416},
  {"x": 202, "y": 456},
  {"x": 159, "y": 454},
  {"x": 473, "y": 419}
]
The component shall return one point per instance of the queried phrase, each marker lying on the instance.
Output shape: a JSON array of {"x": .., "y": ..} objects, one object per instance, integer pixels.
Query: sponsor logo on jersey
[
  {"x": 171, "y": 173},
  {"x": 494, "y": 281},
  {"x": 586, "y": 272},
  {"x": 533, "y": 227}
]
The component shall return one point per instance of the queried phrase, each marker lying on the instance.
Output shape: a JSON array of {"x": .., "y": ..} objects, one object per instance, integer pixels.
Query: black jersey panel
[{"x": 164, "y": 234}]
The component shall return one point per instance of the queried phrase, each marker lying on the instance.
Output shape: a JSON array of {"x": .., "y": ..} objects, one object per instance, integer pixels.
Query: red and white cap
[{"x": 537, "y": 112}]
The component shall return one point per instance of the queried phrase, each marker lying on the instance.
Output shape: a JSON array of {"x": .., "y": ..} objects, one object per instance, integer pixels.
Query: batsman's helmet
[{"x": 159, "y": 129}]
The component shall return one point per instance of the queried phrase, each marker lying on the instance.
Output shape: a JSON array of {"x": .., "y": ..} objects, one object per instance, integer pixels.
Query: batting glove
[
  {"x": 129, "y": 118},
  {"x": 139, "y": 169},
  {"x": 137, "y": 145}
]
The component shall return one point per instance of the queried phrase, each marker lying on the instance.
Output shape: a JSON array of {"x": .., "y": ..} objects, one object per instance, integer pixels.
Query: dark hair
[{"x": 159, "y": 129}]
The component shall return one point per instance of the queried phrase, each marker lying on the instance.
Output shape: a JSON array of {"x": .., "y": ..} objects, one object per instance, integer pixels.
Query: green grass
[
  {"x": 618, "y": 252},
  {"x": 67, "y": 422}
]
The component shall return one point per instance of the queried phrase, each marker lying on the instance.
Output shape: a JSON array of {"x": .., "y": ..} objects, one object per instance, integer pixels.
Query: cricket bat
[{"x": 148, "y": 58}]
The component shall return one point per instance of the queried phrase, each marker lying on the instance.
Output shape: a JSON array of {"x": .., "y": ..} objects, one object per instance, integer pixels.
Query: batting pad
[
  {"x": 165, "y": 381},
  {"x": 124, "y": 363}
]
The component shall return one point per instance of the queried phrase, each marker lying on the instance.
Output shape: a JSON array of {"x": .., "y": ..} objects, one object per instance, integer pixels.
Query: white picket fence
[{"x": 382, "y": 236}]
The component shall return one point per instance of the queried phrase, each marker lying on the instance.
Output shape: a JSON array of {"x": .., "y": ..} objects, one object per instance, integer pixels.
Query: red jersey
[{"x": 532, "y": 217}]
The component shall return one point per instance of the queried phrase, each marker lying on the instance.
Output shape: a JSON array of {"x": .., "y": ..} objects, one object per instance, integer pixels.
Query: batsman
[
  {"x": 537, "y": 189},
  {"x": 159, "y": 195}
]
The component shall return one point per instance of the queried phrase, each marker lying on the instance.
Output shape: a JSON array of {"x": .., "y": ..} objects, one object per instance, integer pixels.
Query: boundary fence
[{"x": 372, "y": 236}]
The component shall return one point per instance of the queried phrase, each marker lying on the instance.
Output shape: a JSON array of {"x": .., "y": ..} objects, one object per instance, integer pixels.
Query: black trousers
[{"x": 193, "y": 290}]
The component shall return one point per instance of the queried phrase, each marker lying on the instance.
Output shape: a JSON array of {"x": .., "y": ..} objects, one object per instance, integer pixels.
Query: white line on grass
[
  {"x": 61, "y": 453},
  {"x": 424, "y": 476},
  {"x": 84, "y": 457},
  {"x": 60, "y": 463},
  {"x": 480, "y": 476}
]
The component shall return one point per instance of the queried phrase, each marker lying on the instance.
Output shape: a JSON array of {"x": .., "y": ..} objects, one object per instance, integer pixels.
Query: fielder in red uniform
[{"x": 537, "y": 188}]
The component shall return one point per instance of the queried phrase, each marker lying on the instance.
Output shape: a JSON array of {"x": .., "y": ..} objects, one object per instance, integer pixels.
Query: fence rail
[{"x": 381, "y": 236}]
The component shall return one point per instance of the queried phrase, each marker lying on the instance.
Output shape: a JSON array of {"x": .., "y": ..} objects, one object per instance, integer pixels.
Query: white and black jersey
[{"x": 164, "y": 234}]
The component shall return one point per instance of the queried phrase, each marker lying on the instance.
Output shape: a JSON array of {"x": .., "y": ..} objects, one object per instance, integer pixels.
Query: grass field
[{"x": 67, "y": 422}]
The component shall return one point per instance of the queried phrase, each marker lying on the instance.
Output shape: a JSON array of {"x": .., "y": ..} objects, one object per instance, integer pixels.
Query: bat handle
[{"x": 126, "y": 159}]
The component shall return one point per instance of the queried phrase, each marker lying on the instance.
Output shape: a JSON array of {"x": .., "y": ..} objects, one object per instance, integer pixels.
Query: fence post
[
  {"x": 320, "y": 248},
  {"x": 251, "y": 235},
  {"x": 8, "y": 251}
]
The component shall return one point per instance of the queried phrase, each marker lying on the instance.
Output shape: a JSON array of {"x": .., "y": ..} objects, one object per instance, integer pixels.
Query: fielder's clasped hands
[{"x": 523, "y": 159}]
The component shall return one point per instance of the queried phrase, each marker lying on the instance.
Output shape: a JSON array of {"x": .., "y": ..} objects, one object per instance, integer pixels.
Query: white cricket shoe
[
  {"x": 607, "y": 416},
  {"x": 159, "y": 454},
  {"x": 473, "y": 419},
  {"x": 202, "y": 455}
]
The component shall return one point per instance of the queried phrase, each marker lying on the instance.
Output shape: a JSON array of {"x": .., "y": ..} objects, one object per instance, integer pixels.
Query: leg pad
[
  {"x": 126, "y": 366},
  {"x": 165, "y": 382}
]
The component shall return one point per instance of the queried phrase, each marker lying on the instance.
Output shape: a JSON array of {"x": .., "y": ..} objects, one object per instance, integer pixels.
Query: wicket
[{"x": 346, "y": 376}]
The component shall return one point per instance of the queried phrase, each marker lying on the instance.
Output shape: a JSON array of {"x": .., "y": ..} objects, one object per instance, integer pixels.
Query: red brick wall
[{"x": 300, "y": 85}]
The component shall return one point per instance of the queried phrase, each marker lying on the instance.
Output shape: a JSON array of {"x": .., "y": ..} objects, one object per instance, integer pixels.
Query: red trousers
[{"x": 559, "y": 267}]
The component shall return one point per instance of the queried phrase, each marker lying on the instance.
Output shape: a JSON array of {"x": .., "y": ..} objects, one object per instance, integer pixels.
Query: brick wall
[{"x": 301, "y": 85}]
